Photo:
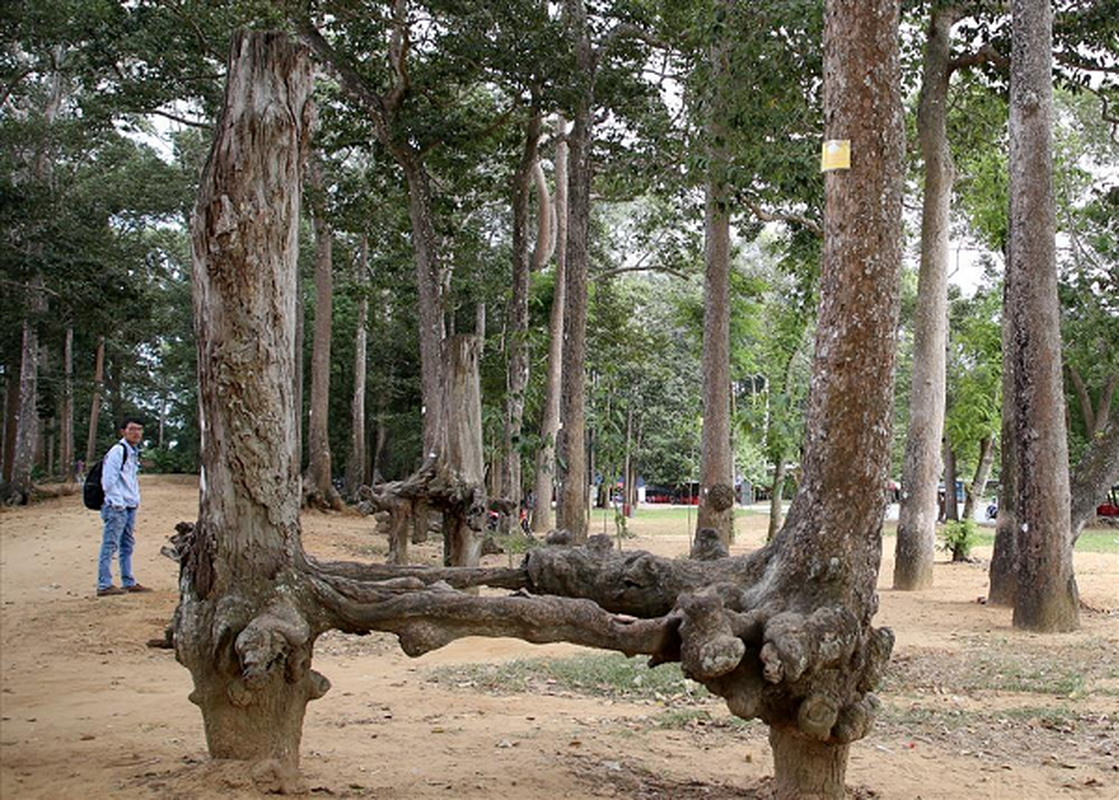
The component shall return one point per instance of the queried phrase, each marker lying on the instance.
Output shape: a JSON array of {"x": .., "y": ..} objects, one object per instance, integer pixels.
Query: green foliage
[{"x": 959, "y": 538}]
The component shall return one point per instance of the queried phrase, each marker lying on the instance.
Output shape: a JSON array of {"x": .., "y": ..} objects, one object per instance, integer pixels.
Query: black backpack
[{"x": 92, "y": 494}]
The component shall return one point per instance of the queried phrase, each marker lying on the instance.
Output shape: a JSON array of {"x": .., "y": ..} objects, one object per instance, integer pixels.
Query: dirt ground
[{"x": 972, "y": 708}]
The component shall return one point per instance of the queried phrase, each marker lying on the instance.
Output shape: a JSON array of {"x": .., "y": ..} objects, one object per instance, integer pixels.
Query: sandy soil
[{"x": 973, "y": 709}]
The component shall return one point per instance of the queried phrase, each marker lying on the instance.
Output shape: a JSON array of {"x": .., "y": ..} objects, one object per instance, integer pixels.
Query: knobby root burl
[{"x": 771, "y": 646}]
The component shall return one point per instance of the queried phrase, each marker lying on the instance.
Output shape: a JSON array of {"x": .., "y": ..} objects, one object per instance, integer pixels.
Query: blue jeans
[{"x": 117, "y": 536}]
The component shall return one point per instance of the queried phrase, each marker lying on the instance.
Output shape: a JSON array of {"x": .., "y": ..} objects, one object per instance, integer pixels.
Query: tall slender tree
[
  {"x": 356, "y": 460},
  {"x": 1046, "y": 597},
  {"x": 542, "y": 517},
  {"x": 318, "y": 482},
  {"x": 716, "y": 473},
  {"x": 916, "y": 539}
]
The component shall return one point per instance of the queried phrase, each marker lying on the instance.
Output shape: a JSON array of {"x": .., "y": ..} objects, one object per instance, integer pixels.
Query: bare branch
[
  {"x": 610, "y": 273},
  {"x": 773, "y": 216},
  {"x": 182, "y": 120},
  {"x": 987, "y": 54},
  {"x": 11, "y": 87}
]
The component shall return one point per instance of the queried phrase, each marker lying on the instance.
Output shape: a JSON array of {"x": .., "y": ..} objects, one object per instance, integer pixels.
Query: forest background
[{"x": 107, "y": 115}]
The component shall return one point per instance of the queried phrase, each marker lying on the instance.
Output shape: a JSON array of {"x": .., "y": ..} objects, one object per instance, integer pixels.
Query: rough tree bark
[
  {"x": 782, "y": 633},
  {"x": 916, "y": 537},
  {"x": 542, "y": 517},
  {"x": 716, "y": 470},
  {"x": 978, "y": 486},
  {"x": 356, "y": 461},
  {"x": 239, "y": 627},
  {"x": 318, "y": 486},
  {"x": 1046, "y": 597},
  {"x": 516, "y": 377}
]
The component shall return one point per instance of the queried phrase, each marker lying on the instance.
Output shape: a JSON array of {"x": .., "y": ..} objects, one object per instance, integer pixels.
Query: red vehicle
[{"x": 1110, "y": 507}]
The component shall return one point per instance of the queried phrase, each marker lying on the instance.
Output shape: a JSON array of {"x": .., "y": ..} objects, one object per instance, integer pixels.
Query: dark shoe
[
  {"x": 108, "y": 591},
  {"x": 136, "y": 588}
]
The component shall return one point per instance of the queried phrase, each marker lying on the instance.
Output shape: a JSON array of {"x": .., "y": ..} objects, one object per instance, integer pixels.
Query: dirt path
[{"x": 972, "y": 708}]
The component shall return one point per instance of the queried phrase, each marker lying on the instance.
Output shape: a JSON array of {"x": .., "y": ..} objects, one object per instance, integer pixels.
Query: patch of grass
[
  {"x": 920, "y": 717},
  {"x": 1092, "y": 540},
  {"x": 612, "y": 675},
  {"x": 1098, "y": 540},
  {"x": 1015, "y": 674}
]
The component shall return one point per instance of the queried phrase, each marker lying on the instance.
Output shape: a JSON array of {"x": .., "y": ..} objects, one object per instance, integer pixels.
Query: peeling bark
[{"x": 239, "y": 628}]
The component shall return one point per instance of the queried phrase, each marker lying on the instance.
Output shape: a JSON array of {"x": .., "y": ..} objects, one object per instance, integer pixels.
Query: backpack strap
[{"x": 123, "y": 456}]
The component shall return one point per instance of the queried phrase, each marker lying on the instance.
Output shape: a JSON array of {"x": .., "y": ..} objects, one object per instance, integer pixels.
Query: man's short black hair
[{"x": 124, "y": 423}]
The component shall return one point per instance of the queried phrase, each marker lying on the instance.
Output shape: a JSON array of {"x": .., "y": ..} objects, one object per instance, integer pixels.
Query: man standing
[{"x": 122, "y": 498}]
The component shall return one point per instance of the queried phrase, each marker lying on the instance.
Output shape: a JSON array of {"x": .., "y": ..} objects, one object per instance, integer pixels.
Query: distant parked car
[{"x": 1108, "y": 510}]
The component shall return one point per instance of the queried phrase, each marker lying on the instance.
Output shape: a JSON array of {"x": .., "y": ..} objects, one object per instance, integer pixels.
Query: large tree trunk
[
  {"x": 542, "y": 517},
  {"x": 978, "y": 486},
  {"x": 1046, "y": 598},
  {"x": 318, "y": 486},
  {"x": 239, "y": 628},
  {"x": 916, "y": 537},
  {"x": 95, "y": 403},
  {"x": 782, "y": 634},
  {"x": 516, "y": 378},
  {"x": 572, "y": 445},
  {"x": 462, "y": 459},
  {"x": 716, "y": 471},
  {"x": 66, "y": 412},
  {"x": 355, "y": 463},
  {"x": 848, "y": 423}
]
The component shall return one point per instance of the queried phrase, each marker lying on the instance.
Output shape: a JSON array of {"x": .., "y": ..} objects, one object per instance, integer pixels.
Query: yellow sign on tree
[{"x": 836, "y": 154}]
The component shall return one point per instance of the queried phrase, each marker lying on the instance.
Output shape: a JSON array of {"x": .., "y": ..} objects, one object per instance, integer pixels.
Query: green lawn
[
  {"x": 1092, "y": 540},
  {"x": 669, "y": 520}
]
